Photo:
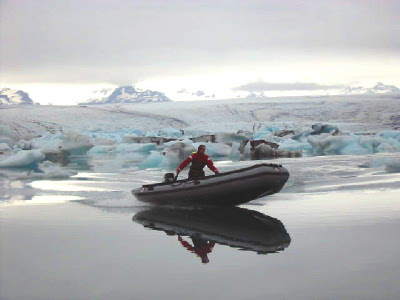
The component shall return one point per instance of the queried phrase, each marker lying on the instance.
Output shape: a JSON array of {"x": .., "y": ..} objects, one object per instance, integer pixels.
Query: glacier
[{"x": 161, "y": 135}]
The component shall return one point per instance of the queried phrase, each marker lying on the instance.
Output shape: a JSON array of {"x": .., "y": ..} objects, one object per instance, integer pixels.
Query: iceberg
[
  {"x": 235, "y": 154},
  {"x": 391, "y": 165},
  {"x": 186, "y": 141},
  {"x": 227, "y": 137},
  {"x": 177, "y": 153},
  {"x": 23, "y": 159},
  {"x": 49, "y": 171},
  {"x": 293, "y": 145},
  {"x": 215, "y": 149},
  {"x": 123, "y": 148},
  {"x": 143, "y": 148},
  {"x": 326, "y": 143},
  {"x": 394, "y": 134},
  {"x": 170, "y": 132},
  {"x": 76, "y": 144},
  {"x": 154, "y": 160},
  {"x": 48, "y": 141},
  {"x": 4, "y": 147}
]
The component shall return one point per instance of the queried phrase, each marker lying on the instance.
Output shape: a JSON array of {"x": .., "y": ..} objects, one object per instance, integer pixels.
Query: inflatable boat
[
  {"x": 229, "y": 188},
  {"x": 231, "y": 226}
]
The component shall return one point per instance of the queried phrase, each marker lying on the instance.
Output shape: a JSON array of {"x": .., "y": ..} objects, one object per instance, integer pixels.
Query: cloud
[
  {"x": 97, "y": 41},
  {"x": 261, "y": 86}
]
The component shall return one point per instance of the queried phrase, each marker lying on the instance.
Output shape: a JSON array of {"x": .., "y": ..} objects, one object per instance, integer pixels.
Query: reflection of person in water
[{"x": 201, "y": 247}]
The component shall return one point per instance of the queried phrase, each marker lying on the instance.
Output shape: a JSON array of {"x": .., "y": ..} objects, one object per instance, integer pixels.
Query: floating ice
[
  {"x": 342, "y": 144},
  {"x": 48, "y": 141},
  {"x": 6, "y": 140},
  {"x": 151, "y": 133},
  {"x": 185, "y": 141},
  {"x": 235, "y": 152},
  {"x": 123, "y": 148},
  {"x": 215, "y": 149},
  {"x": 24, "y": 145},
  {"x": 391, "y": 165},
  {"x": 272, "y": 128},
  {"x": 23, "y": 159},
  {"x": 194, "y": 132},
  {"x": 170, "y": 132},
  {"x": 319, "y": 128},
  {"x": 154, "y": 160},
  {"x": 394, "y": 134},
  {"x": 177, "y": 153},
  {"x": 4, "y": 147},
  {"x": 103, "y": 142},
  {"x": 292, "y": 145},
  {"x": 264, "y": 135},
  {"x": 227, "y": 137},
  {"x": 143, "y": 148},
  {"x": 49, "y": 173},
  {"x": 266, "y": 151},
  {"x": 76, "y": 144}
]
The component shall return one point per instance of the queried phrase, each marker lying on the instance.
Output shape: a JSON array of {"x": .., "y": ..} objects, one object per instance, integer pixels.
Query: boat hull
[
  {"x": 230, "y": 188},
  {"x": 232, "y": 226}
]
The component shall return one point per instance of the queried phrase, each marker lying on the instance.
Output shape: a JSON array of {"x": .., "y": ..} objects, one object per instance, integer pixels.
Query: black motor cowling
[{"x": 169, "y": 177}]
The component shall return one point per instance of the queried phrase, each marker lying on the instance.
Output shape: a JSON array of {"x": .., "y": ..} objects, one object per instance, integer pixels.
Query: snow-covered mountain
[
  {"x": 14, "y": 97},
  {"x": 256, "y": 95},
  {"x": 379, "y": 88},
  {"x": 125, "y": 94}
]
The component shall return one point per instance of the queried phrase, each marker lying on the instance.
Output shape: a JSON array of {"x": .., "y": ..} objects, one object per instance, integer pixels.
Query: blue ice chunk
[
  {"x": 154, "y": 160},
  {"x": 319, "y": 128},
  {"x": 353, "y": 148},
  {"x": 185, "y": 141},
  {"x": 170, "y": 132},
  {"x": 235, "y": 153},
  {"x": 389, "y": 145},
  {"x": 272, "y": 128},
  {"x": 151, "y": 133},
  {"x": 341, "y": 144},
  {"x": 292, "y": 145},
  {"x": 215, "y": 149},
  {"x": 394, "y": 134},
  {"x": 143, "y": 148},
  {"x": 189, "y": 133},
  {"x": 262, "y": 135},
  {"x": 371, "y": 143},
  {"x": 23, "y": 159},
  {"x": 76, "y": 144}
]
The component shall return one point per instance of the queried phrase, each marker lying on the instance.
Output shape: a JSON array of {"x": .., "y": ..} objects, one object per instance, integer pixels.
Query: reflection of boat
[
  {"x": 232, "y": 226},
  {"x": 229, "y": 188}
]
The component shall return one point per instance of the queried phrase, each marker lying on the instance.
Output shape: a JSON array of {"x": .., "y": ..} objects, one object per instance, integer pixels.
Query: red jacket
[
  {"x": 200, "y": 247},
  {"x": 198, "y": 163}
]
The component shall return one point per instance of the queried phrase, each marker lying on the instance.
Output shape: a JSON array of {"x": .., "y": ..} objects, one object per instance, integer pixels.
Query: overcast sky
[{"x": 198, "y": 44}]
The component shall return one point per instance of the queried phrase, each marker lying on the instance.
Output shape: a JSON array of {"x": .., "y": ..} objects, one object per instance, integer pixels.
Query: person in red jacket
[
  {"x": 199, "y": 160},
  {"x": 201, "y": 247}
]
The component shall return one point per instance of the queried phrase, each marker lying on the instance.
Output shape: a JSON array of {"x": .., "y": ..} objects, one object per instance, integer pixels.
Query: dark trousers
[{"x": 196, "y": 174}]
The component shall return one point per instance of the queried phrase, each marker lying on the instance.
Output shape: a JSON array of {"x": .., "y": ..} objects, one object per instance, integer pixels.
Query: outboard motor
[{"x": 169, "y": 177}]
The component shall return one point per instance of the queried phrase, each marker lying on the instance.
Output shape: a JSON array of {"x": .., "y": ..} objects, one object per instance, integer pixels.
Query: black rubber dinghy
[
  {"x": 229, "y": 188},
  {"x": 232, "y": 226}
]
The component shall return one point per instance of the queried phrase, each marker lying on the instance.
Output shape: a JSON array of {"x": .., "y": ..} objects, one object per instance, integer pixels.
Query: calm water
[{"x": 331, "y": 234}]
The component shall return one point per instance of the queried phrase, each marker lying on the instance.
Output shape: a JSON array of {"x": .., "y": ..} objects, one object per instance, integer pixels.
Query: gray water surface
[{"x": 331, "y": 236}]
